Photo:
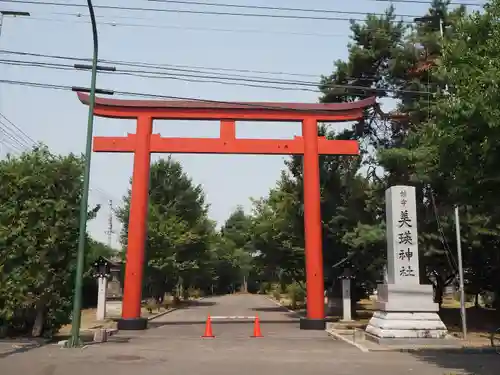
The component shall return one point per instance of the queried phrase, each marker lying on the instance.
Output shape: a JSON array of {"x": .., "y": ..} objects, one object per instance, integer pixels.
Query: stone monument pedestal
[{"x": 406, "y": 312}]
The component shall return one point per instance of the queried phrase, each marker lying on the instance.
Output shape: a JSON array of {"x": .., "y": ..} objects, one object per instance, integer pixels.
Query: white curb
[{"x": 340, "y": 337}]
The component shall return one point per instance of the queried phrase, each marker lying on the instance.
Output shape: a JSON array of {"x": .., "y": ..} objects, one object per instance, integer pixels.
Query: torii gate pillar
[{"x": 143, "y": 143}]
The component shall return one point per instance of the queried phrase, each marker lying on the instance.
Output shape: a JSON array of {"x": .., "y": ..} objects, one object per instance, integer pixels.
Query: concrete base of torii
[{"x": 406, "y": 312}]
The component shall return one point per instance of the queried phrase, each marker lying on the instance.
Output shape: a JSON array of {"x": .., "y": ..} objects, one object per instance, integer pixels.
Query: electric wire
[
  {"x": 156, "y": 65},
  {"x": 150, "y": 25},
  {"x": 216, "y": 13},
  {"x": 154, "y": 74},
  {"x": 17, "y": 140},
  {"x": 187, "y": 28},
  {"x": 186, "y": 11},
  {"x": 261, "y": 7},
  {"x": 427, "y": 2},
  {"x": 264, "y": 83}
]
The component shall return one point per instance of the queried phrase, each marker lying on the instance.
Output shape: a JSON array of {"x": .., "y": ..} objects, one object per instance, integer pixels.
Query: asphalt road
[{"x": 173, "y": 346}]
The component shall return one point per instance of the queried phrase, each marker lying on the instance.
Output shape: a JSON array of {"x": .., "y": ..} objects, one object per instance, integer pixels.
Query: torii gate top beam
[{"x": 216, "y": 110}]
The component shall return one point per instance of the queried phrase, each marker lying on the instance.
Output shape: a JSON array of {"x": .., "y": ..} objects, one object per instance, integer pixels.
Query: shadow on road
[
  {"x": 199, "y": 304},
  {"x": 456, "y": 359},
  {"x": 16, "y": 347},
  {"x": 270, "y": 309}
]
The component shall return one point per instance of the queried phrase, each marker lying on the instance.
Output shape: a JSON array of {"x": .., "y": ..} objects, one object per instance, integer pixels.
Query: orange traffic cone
[
  {"x": 256, "y": 327},
  {"x": 208, "y": 329}
]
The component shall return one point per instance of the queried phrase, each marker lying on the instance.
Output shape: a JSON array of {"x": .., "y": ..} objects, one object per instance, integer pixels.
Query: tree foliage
[
  {"x": 440, "y": 138},
  {"x": 460, "y": 140},
  {"x": 181, "y": 239},
  {"x": 39, "y": 210}
]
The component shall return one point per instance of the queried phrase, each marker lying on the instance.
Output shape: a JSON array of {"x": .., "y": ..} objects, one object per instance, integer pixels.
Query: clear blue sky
[{"x": 59, "y": 120}]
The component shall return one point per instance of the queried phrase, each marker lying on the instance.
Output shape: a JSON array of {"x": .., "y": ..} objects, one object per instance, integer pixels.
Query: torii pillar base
[
  {"x": 133, "y": 324},
  {"x": 312, "y": 324}
]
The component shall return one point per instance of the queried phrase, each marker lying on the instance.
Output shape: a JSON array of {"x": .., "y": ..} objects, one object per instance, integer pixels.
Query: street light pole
[{"x": 74, "y": 341}]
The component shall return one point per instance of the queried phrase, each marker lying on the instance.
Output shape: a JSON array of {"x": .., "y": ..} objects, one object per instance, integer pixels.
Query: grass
[{"x": 89, "y": 321}]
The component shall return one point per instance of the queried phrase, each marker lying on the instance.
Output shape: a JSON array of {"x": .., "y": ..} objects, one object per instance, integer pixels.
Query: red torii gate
[{"x": 143, "y": 143}]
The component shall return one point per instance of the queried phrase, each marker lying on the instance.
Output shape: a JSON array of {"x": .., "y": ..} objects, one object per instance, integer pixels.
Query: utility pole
[
  {"x": 11, "y": 13},
  {"x": 74, "y": 340},
  {"x": 460, "y": 274},
  {"x": 110, "y": 231},
  {"x": 440, "y": 18}
]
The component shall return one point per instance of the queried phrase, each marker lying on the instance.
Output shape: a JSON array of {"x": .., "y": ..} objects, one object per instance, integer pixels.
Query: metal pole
[
  {"x": 460, "y": 274},
  {"x": 463, "y": 313},
  {"x": 74, "y": 341},
  {"x": 110, "y": 223}
]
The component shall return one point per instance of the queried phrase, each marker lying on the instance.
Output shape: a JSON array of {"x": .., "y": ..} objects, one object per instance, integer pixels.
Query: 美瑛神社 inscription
[{"x": 405, "y": 308}]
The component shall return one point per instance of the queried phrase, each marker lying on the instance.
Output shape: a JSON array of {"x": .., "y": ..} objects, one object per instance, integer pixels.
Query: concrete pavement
[{"x": 173, "y": 346}]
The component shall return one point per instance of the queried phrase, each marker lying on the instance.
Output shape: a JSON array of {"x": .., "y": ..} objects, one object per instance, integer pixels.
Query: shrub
[
  {"x": 264, "y": 287},
  {"x": 276, "y": 294},
  {"x": 296, "y": 294},
  {"x": 151, "y": 305},
  {"x": 195, "y": 293},
  {"x": 39, "y": 206}
]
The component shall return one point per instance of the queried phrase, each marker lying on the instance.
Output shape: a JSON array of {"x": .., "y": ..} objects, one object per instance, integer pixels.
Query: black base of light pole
[
  {"x": 134, "y": 324},
  {"x": 312, "y": 324}
]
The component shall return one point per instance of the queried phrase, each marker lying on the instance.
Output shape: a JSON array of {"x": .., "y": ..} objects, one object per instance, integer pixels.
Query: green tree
[
  {"x": 39, "y": 203},
  {"x": 235, "y": 236},
  {"x": 460, "y": 140},
  {"x": 350, "y": 235},
  {"x": 390, "y": 59},
  {"x": 179, "y": 231}
]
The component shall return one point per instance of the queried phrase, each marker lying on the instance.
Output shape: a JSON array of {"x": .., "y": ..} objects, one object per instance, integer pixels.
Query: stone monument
[
  {"x": 102, "y": 287},
  {"x": 102, "y": 273},
  {"x": 346, "y": 278},
  {"x": 405, "y": 309}
]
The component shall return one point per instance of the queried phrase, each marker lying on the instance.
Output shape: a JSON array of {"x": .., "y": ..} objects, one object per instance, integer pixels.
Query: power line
[
  {"x": 18, "y": 141},
  {"x": 158, "y": 66},
  {"x": 159, "y": 96},
  {"x": 185, "y": 11},
  {"x": 185, "y": 28},
  {"x": 427, "y": 2},
  {"x": 281, "y": 9},
  {"x": 265, "y": 15},
  {"x": 10, "y": 140},
  {"x": 237, "y": 79},
  {"x": 18, "y": 129},
  {"x": 14, "y": 137},
  {"x": 258, "y": 83},
  {"x": 11, "y": 136}
]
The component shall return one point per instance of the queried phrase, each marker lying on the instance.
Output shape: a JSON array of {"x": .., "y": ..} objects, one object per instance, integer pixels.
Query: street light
[
  {"x": 11, "y": 13},
  {"x": 74, "y": 340}
]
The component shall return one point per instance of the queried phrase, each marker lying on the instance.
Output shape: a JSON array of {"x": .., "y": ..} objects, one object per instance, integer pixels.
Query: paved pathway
[
  {"x": 228, "y": 307},
  {"x": 173, "y": 346}
]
